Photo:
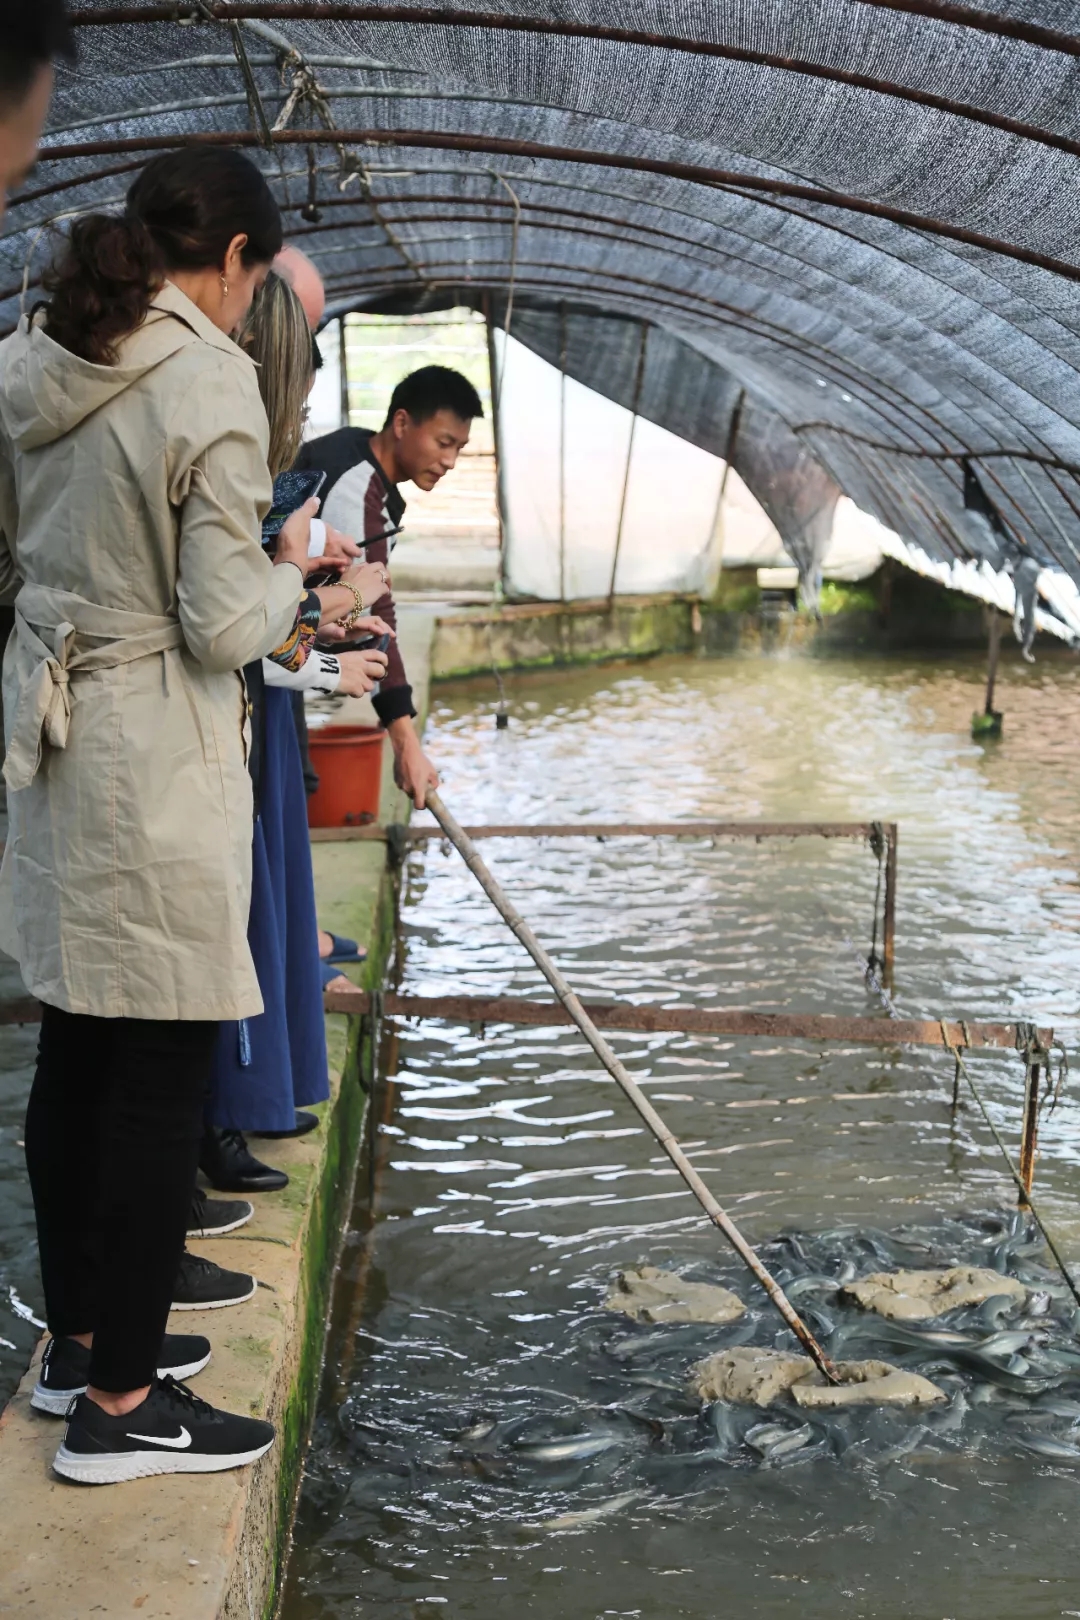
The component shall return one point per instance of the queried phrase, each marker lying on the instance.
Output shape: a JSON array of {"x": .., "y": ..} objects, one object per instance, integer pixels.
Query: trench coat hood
[{"x": 47, "y": 391}]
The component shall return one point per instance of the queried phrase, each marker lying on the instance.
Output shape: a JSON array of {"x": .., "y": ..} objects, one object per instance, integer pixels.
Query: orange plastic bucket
[{"x": 348, "y": 763}]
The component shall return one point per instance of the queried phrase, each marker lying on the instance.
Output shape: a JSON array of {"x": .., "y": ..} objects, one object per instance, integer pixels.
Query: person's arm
[
  {"x": 413, "y": 771},
  {"x": 9, "y": 525},
  {"x": 362, "y": 515},
  {"x": 234, "y": 604},
  {"x": 321, "y": 673}
]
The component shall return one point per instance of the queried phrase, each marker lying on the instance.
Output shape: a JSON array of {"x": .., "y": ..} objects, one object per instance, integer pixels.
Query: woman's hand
[
  {"x": 341, "y": 548},
  {"x": 371, "y": 579},
  {"x": 372, "y": 625},
  {"x": 295, "y": 533},
  {"x": 360, "y": 671},
  {"x": 369, "y": 625}
]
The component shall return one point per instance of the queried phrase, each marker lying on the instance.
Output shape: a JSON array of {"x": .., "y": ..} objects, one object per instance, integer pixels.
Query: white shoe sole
[
  {"x": 114, "y": 1467},
  {"x": 219, "y": 1231},
  {"x": 56, "y": 1401},
  {"x": 217, "y": 1304}
]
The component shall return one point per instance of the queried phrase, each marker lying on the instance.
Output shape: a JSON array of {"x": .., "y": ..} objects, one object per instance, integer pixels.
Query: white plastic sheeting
[{"x": 673, "y": 537}]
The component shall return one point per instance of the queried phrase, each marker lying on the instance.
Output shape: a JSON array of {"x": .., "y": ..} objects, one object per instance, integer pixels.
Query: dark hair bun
[{"x": 183, "y": 211}]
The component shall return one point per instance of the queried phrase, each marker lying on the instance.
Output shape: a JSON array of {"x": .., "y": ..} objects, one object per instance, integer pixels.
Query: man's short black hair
[
  {"x": 435, "y": 388},
  {"x": 32, "y": 33}
]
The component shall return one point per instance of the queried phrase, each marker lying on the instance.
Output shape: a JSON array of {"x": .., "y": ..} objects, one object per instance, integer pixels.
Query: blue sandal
[{"x": 343, "y": 950}]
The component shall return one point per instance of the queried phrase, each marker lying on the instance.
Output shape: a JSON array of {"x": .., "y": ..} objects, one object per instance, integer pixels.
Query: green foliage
[
  {"x": 837, "y": 597},
  {"x": 382, "y": 349}
]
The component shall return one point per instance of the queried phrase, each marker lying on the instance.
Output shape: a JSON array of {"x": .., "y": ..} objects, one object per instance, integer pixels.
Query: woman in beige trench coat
[{"x": 133, "y": 482}]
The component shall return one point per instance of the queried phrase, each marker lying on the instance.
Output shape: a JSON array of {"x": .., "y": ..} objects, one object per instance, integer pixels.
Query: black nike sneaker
[
  {"x": 213, "y": 1217},
  {"x": 203, "y": 1286},
  {"x": 171, "y": 1432},
  {"x": 65, "y": 1368}
]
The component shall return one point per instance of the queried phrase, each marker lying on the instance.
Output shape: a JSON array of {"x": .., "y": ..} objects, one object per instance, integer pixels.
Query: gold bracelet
[{"x": 359, "y": 610}]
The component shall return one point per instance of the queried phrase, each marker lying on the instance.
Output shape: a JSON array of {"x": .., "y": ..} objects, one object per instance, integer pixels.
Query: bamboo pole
[
  {"x": 639, "y": 379},
  {"x": 469, "y": 854}
]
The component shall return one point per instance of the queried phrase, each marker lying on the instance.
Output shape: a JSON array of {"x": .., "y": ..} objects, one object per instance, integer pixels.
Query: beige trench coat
[{"x": 131, "y": 498}]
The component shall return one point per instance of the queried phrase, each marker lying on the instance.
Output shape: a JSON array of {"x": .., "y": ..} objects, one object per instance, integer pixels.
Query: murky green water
[{"x": 513, "y": 1179}]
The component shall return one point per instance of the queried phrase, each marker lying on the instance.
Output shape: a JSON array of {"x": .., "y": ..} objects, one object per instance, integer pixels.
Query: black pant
[{"x": 113, "y": 1128}]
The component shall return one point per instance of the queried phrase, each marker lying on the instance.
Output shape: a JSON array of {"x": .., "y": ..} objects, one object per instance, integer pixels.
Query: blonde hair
[{"x": 277, "y": 337}]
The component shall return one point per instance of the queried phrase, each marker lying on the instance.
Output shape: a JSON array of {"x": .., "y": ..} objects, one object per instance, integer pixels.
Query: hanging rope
[{"x": 1024, "y": 1044}]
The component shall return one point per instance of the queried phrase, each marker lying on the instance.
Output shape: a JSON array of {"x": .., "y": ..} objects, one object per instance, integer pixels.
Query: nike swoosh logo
[{"x": 181, "y": 1443}]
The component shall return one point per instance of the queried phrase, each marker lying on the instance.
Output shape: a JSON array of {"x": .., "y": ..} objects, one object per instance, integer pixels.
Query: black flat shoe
[
  {"x": 304, "y": 1122},
  {"x": 229, "y": 1166},
  {"x": 213, "y": 1217}
]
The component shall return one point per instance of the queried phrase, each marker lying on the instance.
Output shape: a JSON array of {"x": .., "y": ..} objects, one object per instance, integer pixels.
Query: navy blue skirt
[{"x": 266, "y": 1067}]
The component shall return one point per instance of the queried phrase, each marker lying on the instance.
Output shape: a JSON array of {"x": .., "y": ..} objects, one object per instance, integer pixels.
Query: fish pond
[{"x": 490, "y": 1439}]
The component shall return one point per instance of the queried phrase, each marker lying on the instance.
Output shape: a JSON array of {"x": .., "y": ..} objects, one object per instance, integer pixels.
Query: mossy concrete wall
[
  {"x": 895, "y": 610},
  {"x": 210, "y": 1547},
  {"x": 538, "y": 635}
]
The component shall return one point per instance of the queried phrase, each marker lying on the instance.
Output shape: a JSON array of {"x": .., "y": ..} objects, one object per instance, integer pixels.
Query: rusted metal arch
[
  {"x": 987, "y": 22},
  {"x": 762, "y": 245},
  {"x": 823, "y": 358},
  {"x": 719, "y": 251},
  {"x": 660, "y": 205},
  {"x": 498, "y": 22},
  {"x": 360, "y": 64},
  {"x": 238, "y": 98},
  {"x": 623, "y": 225},
  {"x": 781, "y": 337},
  {"x": 737, "y": 319},
  {"x": 827, "y": 358},
  {"x": 765, "y": 247},
  {"x": 904, "y": 496},
  {"x": 447, "y": 140},
  {"x": 1000, "y": 453},
  {"x": 465, "y": 284},
  {"x": 321, "y": 136},
  {"x": 730, "y": 316}
]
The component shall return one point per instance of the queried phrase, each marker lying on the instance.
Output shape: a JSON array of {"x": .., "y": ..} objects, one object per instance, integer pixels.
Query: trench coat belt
[{"x": 43, "y": 708}]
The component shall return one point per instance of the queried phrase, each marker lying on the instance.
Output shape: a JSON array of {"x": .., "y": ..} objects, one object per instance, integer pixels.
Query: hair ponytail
[
  {"x": 182, "y": 212},
  {"x": 102, "y": 285}
]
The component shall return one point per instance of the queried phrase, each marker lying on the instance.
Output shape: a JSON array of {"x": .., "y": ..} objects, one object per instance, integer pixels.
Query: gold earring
[{"x": 224, "y": 286}]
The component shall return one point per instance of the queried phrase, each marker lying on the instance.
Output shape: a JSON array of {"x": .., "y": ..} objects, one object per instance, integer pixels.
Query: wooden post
[
  {"x": 888, "y": 943},
  {"x": 714, "y": 559},
  {"x": 343, "y": 372},
  {"x": 990, "y": 722},
  {"x": 1029, "y": 1138},
  {"x": 562, "y": 452},
  {"x": 495, "y": 374},
  {"x": 638, "y": 381}
]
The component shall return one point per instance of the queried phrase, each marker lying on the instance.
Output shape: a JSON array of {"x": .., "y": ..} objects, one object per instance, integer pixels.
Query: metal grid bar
[
  {"x": 687, "y": 1020},
  {"x": 617, "y": 829}
]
